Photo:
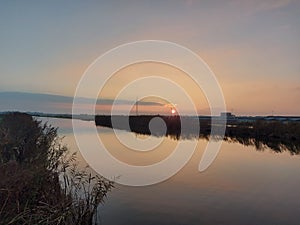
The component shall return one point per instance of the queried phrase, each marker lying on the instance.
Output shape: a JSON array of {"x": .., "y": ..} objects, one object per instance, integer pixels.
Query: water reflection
[
  {"x": 277, "y": 135},
  {"x": 242, "y": 186}
]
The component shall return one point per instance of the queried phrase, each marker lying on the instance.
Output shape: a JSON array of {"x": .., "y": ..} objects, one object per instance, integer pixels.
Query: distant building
[{"x": 227, "y": 116}]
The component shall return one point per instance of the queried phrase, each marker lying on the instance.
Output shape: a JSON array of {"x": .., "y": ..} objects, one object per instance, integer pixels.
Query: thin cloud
[
  {"x": 126, "y": 102},
  {"x": 45, "y": 102}
]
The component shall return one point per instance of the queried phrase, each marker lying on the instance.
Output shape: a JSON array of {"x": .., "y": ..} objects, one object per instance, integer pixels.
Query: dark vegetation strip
[
  {"x": 277, "y": 135},
  {"x": 40, "y": 182}
]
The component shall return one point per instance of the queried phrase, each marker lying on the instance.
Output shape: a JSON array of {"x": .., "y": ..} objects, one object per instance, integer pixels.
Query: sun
[{"x": 173, "y": 111}]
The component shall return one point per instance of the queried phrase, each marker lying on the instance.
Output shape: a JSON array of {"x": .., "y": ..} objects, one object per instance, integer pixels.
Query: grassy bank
[{"x": 40, "y": 182}]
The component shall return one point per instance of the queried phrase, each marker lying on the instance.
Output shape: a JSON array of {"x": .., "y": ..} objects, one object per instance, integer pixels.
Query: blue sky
[{"x": 252, "y": 46}]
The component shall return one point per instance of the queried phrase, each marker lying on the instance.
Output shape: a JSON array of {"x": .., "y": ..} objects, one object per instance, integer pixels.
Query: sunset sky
[{"x": 252, "y": 46}]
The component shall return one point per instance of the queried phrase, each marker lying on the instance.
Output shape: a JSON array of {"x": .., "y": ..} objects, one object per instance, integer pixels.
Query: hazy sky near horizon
[{"x": 251, "y": 45}]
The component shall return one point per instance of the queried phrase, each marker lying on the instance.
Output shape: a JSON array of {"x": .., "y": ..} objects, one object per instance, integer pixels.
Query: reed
[{"x": 40, "y": 182}]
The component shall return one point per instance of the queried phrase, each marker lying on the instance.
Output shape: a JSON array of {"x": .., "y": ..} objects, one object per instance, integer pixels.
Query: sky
[{"x": 252, "y": 47}]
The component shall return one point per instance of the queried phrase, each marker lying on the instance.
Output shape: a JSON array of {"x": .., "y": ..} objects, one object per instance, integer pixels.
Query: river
[{"x": 242, "y": 186}]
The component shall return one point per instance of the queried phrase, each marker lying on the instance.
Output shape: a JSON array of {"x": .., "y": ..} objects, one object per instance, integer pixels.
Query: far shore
[{"x": 277, "y": 132}]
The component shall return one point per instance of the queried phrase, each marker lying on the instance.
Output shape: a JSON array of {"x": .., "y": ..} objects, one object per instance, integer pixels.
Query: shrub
[{"x": 40, "y": 182}]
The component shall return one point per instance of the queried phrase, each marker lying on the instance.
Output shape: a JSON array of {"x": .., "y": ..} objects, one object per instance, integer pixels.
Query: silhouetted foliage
[
  {"x": 39, "y": 180},
  {"x": 277, "y": 135}
]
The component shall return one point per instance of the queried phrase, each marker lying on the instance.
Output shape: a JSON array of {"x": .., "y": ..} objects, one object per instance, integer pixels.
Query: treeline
[
  {"x": 40, "y": 182},
  {"x": 276, "y": 135}
]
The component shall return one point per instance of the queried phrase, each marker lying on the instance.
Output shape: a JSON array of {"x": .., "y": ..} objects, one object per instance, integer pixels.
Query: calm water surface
[{"x": 242, "y": 186}]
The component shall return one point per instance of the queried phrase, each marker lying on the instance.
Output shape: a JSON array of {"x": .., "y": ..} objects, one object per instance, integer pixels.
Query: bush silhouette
[{"x": 40, "y": 182}]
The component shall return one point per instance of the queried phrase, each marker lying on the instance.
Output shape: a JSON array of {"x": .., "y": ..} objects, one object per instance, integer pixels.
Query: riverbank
[
  {"x": 278, "y": 135},
  {"x": 40, "y": 179}
]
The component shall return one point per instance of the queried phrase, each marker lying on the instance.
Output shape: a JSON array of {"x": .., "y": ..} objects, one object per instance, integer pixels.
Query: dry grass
[{"x": 40, "y": 182}]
